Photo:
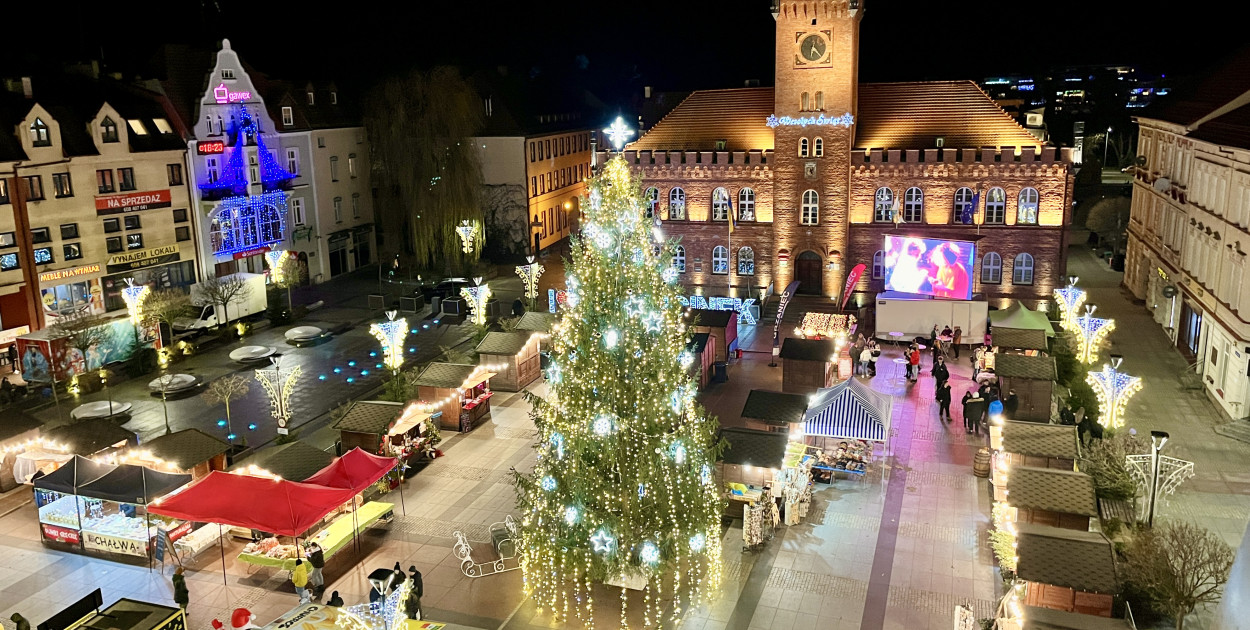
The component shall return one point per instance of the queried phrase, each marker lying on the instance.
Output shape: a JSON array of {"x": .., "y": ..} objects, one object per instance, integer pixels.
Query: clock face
[{"x": 812, "y": 47}]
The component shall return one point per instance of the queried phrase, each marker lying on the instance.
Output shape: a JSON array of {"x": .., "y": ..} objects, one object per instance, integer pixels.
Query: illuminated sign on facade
[
  {"x": 224, "y": 95},
  {"x": 210, "y": 147},
  {"x": 746, "y": 314},
  {"x": 845, "y": 120},
  {"x": 62, "y": 274},
  {"x": 132, "y": 202}
]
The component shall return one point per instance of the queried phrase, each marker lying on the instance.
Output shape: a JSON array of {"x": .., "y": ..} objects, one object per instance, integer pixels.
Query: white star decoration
[{"x": 603, "y": 541}]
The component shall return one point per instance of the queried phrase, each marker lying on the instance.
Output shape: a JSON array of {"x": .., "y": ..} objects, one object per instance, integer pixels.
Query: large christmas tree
[{"x": 622, "y": 488}]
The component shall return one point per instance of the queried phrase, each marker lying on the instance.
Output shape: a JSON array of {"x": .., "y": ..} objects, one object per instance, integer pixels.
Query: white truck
[
  {"x": 914, "y": 315},
  {"x": 248, "y": 302}
]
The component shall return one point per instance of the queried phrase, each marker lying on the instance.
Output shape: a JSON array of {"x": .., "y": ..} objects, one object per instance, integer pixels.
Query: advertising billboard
[{"x": 929, "y": 266}]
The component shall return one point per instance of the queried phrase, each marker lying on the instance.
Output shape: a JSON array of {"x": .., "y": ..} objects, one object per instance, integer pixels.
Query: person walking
[
  {"x": 956, "y": 336},
  {"x": 316, "y": 562},
  {"x": 913, "y": 364},
  {"x": 335, "y": 600},
  {"x": 940, "y": 372},
  {"x": 19, "y": 621},
  {"x": 865, "y": 360},
  {"x": 944, "y": 401},
  {"x": 299, "y": 577},
  {"x": 412, "y": 607},
  {"x": 876, "y": 355},
  {"x": 1010, "y": 404},
  {"x": 181, "y": 596}
]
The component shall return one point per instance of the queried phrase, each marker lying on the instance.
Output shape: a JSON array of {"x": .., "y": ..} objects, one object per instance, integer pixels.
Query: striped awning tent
[{"x": 849, "y": 410}]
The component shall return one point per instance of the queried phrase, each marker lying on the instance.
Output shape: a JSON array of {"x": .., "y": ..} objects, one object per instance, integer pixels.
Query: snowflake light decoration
[
  {"x": 1114, "y": 389},
  {"x": 391, "y": 334}
]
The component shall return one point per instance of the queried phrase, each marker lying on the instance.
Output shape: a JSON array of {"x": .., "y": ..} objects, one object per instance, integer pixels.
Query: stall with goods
[
  {"x": 460, "y": 392},
  {"x": 115, "y": 519},
  {"x": 748, "y": 469},
  {"x": 57, "y": 501},
  {"x": 795, "y": 481},
  {"x": 722, "y": 325},
  {"x": 407, "y": 432},
  {"x": 19, "y": 433},
  {"x": 807, "y": 364},
  {"x": 846, "y": 423},
  {"x": 826, "y": 326}
]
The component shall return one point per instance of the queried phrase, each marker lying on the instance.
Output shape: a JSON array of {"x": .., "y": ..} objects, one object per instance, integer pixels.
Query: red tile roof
[{"x": 891, "y": 116}]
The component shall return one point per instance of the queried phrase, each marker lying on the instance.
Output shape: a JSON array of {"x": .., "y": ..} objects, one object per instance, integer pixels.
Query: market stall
[
  {"x": 189, "y": 451},
  {"x": 369, "y": 475},
  {"x": 1032, "y": 378},
  {"x": 366, "y": 424},
  {"x": 461, "y": 392},
  {"x": 846, "y": 422},
  {"x": 778, "y": 412},
  {"x": 807, "y": 364},
  {"x": 513, "y": 356},
  {"x": 1067, "y": 570},
  {"x": 1022, "y": 340},
  {"x": 795, "y": 480},
  {"x": 114, "y": 517},
  {"x": 92, "y": 437},
  {"x": 1055, "y": 446},
  {"x": 293, "y": 461},
  {"x": 723, "y": 325},
  {"x": 1045, "y": 496},
  {"x": 1019, "y": 316},
  {"x": 749, "y": 466},
  {"x": 60, "y": 508},
  {"x": 702, "y": 347},
  {"x": 124, "y": 614}
]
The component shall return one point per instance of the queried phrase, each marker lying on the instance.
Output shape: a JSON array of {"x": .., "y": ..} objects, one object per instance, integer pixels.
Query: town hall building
[{"x": 816, "y": 171}]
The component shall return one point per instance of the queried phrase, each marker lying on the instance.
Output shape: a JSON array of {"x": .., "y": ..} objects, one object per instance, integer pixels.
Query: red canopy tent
[
  {"x": 278, "y": 506},
  {"x": 356, "y": 470}
]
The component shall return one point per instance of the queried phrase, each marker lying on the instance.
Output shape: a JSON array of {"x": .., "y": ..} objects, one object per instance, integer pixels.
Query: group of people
[{"x": 307, "y": 577}]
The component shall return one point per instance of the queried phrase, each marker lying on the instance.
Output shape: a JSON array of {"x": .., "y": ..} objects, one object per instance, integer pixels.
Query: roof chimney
[
  {"x": 27, "y": 91},
  {"x": 646, "y": 91}
]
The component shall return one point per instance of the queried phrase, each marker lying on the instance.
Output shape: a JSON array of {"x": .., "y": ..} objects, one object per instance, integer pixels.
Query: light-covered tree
[{"x": 622, "y": 487}]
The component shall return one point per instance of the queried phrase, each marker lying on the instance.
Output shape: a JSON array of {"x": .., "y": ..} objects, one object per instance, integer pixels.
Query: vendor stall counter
[{"x": 332, "y": 538}]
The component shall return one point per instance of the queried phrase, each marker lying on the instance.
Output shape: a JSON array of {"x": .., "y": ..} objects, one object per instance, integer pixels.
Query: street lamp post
[
  {"x": 1157, "y": 440},
  {"x": 1106, "y": 144}
]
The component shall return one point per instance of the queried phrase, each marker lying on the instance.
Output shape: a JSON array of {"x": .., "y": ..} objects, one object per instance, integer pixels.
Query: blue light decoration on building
[
  {"x": 234, "y": 177},
  {"x": 43, "y": 255},
  {"x": 245, "y": 223}
]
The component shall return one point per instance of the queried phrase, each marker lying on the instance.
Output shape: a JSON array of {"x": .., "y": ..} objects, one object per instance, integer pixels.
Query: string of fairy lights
[{"x": 622, "y": 490}]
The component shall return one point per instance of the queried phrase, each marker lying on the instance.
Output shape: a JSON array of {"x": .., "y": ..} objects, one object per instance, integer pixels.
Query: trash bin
[{"x": 720, "y": 372}]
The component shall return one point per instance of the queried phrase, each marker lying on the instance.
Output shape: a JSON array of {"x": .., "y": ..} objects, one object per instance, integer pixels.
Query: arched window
[
  {"x": 1022, "y": 269},
  {"x": 679, "y": 259},
  {"x": 677, "y": 204},
  {"x": 653, "y": 202},
  {"x": 248, "y": 223},
  {"x": 720, "y": 260},
  {"x": 991, "y": 268},
  {"x": 746, "y": 205},
  {"x": 964, "y": 209},
  {"x": 1026, "y": 212},
  {"x": 803, "y": 147},
  {"x": 878, "y": 265},
  {"x": 883, "y": 206},
  {"x": 39, "y": 134},
  {"x": 746, "y": 261},
  {"x": 818, "y": 148},
  {"x": 720, "y": 204},
  {"x": 804, "y": 101},
  {"x": 811, "y": 208},
  {"x": 108, "y": 130},
  {"x": 913, "y": 205},
  {"x": 820, "y": 100},
  {"x": 995, "y": 206}
]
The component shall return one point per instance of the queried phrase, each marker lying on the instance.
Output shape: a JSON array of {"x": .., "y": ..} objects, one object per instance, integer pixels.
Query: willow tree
[{"x": 421, "y": 127}]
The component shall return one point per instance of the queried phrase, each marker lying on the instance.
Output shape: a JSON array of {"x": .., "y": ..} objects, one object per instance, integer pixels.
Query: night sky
[{"x": 618, "y": 47}]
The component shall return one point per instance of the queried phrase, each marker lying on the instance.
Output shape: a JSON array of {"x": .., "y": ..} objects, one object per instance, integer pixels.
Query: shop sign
[
  {"x": 142, "y": 259},
  {"x": 745, "y": 315},
  {"x": 180, "y": 531},
  {"x": 845, "y": 120},
  {"x": 114, "y": 544},
  {"x": 248, "y": 253},
  {"x": 60, "y": 534},
  {"x": 9, "y": 336},
  {"x": 223, "y": 94},
  {"x": 65, "y": 274},
  {"x": 132, "y": 202}
]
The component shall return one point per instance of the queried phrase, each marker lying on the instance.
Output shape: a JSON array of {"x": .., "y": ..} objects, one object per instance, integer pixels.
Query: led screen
[{"x": 929, "y": 266}]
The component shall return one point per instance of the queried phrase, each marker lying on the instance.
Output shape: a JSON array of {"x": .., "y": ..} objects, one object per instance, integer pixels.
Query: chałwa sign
[
  {"x": 114, "y": 544},
  {"x": 132, "y": 202},
  {"x": 142, "y": 259}
]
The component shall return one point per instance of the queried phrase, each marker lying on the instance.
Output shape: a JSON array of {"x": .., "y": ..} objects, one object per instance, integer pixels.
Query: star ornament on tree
[
  {"x": 618, "y": 133},
  {"x": 603, "y": 541}
]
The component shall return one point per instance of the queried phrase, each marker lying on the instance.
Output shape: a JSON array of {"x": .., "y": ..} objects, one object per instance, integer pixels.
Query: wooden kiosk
[
  {"x": 366, "y": 423},
  {"x": 723, "y": 325},
  {"x": 703, "y": 347},
  {"x": 807, "y": 364},
  {"x": 460, "y": 392},
  {"x": 513, "y": 356},
  {"x": 190, "y": 451}
]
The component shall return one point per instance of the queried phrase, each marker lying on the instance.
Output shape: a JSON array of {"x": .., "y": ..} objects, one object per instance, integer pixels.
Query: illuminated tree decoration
[
  {"x": 1069, "y": 299},
  {"x": 1090, "y": 332},
  {"x": 1114, "y": 389},
  {"x": 477, "y": 297},
  {"x": 279, "y": 392},
  {"x": 134, "y": 295},
  {"x": 391, "y": 334},
  {"x": 274, "y": 258},
  {"x": 618, "y": 133},
  {"x": 467, "y": 230},
  {"x": 620, "y": 436},
  {"x": 529, "y": 275}
]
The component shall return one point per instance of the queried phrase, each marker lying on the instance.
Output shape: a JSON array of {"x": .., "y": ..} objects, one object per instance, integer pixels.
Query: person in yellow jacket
[{"x": 299, "y": 577}]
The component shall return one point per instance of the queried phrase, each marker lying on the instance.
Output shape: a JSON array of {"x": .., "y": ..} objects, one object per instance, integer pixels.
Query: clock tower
[{"x": 817, "y": 77}]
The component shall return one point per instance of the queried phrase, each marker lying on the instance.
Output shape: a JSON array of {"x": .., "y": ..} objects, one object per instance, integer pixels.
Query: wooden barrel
[{"x": 981, "y": 463}]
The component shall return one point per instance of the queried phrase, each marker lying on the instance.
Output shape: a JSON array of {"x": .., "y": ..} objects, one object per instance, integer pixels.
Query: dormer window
[
  {"x": 288, "y": 116},
  {"x": 310, "y": 98},
  {"x": 162, "y": 125},
  {"x": 108, "y": 130},
  {"x": 39, "y": 135},
  {"x": 227, "y": 73},
  {"x": 137, "y": 127}
]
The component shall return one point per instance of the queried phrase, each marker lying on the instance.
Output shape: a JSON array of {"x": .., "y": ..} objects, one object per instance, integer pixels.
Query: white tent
[{"x": 849, "y": 410}]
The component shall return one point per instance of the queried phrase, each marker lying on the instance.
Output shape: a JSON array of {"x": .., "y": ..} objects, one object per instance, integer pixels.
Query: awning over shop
[
  {"x": 128, "y": 483},
  {"x": 413, "y": 415},
  {"x": 75, "y": 474},
  {"x": 356, "y": 470},
  {"x": 1020, "y": 316},
  {"x": 849, "y": 410},
  {"x": 277, "y": 506}
]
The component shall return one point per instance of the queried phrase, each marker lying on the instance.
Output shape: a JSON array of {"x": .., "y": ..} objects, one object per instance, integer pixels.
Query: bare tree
[
  {"x": 285, "y": 276},
  {"x": 163, "y": 306},
  {"x": 1180, "y": 566},
  {"x": 1109, "y": 218},
  {"x": 224, "y": 390},
  {"x": 225, "y": 290}
]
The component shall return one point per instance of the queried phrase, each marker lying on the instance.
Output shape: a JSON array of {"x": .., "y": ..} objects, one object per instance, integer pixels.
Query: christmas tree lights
[
  {"x": 1114, "y": 389},
  {"x": 623, "y": 447}
]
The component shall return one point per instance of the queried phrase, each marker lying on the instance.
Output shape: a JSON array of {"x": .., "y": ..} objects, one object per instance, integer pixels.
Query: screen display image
[{"x": 929, "y": 266}]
